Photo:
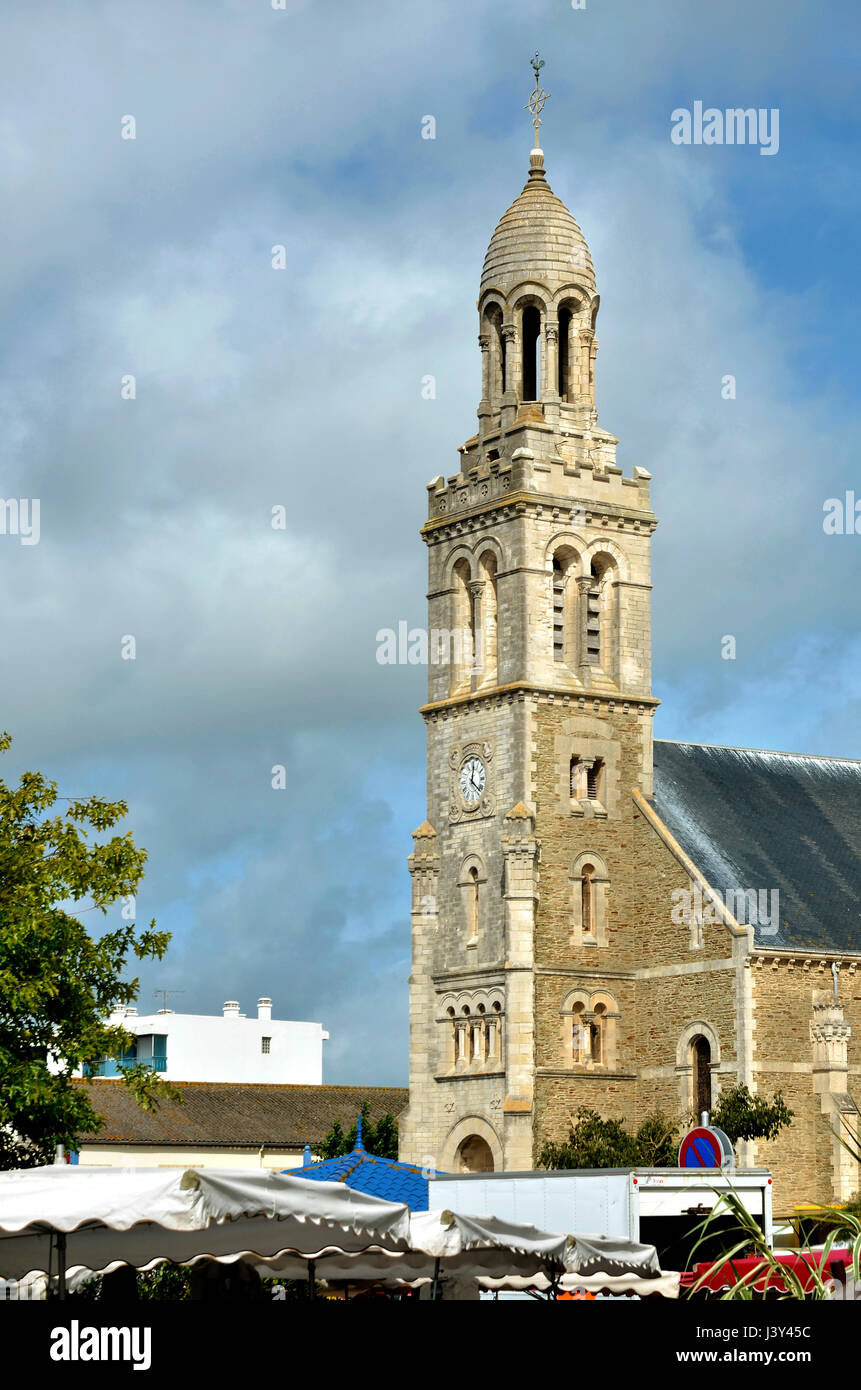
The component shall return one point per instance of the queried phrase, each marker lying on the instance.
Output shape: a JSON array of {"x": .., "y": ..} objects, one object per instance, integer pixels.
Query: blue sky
[{"x": 301, "y": 387}]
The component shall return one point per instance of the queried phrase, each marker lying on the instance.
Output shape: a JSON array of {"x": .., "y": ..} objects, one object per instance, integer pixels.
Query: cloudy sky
[{"x": 301, "y": 387}]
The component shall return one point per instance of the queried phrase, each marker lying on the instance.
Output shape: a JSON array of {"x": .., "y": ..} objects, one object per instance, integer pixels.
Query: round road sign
[{"x": 704, "y": 1148}]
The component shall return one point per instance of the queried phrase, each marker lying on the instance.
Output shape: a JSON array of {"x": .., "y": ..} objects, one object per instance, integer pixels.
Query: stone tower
[{"x": 538, "y": 717}]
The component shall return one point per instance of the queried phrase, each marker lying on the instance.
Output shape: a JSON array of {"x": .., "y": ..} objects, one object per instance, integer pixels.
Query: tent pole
[
  {"x": 435, "y": 1284},
  {"x": 312, "y": 1287},
  {"x": 61, "y": 1264}
]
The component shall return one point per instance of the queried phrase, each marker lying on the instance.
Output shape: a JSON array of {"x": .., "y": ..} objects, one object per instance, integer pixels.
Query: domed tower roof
[{"x": 537, "y": 239}]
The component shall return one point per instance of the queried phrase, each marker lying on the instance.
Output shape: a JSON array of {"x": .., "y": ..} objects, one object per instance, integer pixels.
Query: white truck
[{"x": 658, "y": 1206}]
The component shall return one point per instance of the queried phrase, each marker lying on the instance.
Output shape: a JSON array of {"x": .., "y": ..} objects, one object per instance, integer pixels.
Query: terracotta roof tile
[{"x": 237, "y": 1114}]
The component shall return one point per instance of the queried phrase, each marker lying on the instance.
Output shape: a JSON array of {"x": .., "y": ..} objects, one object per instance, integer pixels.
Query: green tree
[
  {"x": 380, "y": 1139},
  {"x": 744, "y": 1116},
  {"x": 57, "y": 983},
  {"x": 658, "y": 1142},
  {"x": 594, "y": 1142}
]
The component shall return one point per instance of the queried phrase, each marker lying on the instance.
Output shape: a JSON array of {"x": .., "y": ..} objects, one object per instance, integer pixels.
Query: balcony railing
[{"x": 114, "y": 1066}]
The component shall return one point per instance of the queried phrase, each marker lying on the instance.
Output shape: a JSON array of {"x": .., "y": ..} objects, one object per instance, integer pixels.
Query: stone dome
[{"x": 537, "y": 239}]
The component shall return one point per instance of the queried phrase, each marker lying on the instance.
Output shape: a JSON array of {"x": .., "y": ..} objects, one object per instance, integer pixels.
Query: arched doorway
[
  {"x": 701, "y": 1058},
  {"x": 474, "y": 1155}
]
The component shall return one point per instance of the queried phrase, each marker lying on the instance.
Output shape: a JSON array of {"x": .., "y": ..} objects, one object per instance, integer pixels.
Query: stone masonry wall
[{"x": 783, "y": 992}]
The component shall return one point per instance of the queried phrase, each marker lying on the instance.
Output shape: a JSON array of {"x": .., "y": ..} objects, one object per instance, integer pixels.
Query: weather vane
[{"x": 535, "y": 104}]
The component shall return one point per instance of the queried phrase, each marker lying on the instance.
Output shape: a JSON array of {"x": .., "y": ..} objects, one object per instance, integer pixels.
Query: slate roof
[
  {"x": 381, "y": 1177},
  {"x": 752, "y": 819},
  {"x": 237, "y": 1115}
]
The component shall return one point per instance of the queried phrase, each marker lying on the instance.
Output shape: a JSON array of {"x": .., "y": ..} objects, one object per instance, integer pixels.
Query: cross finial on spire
[{"x": 536, "y": 101}]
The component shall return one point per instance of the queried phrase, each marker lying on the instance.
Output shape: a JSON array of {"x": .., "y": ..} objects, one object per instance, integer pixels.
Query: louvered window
[
  {"x": 593, "y": 622},
  {"x": 558, "y": 612},
  {"x": 593, "y": 780}
]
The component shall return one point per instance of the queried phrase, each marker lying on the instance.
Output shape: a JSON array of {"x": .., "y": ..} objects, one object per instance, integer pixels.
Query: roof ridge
[
  {"x": 260, "y": 1085},
  {"x": 772, "y": 752}
]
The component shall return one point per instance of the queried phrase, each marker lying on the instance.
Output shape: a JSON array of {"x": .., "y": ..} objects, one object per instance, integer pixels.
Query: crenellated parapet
[{"x": 586, "y": 486}]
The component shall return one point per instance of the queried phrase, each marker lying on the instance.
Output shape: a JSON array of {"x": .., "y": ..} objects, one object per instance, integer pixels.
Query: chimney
[
  {"x": 231, "y": 1008},
  {"x": 264, "y": 1010}
]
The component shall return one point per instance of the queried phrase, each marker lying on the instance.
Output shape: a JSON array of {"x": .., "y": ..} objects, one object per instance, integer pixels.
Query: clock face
[{"x": 473, "y": 778}]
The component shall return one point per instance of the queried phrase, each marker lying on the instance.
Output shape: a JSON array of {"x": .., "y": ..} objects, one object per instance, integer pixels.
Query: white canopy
[
  {"x": 450, "y": 1234},
  {"x": 464, "y": 1246},
  {"x": 139, "y": 1215},
  {"x": 666, "y": 1284},
  {"x": 601, "y": 1264}
]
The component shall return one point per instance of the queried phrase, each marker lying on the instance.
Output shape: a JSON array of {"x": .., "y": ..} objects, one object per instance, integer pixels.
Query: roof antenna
[{"x": 162, "y": 994}]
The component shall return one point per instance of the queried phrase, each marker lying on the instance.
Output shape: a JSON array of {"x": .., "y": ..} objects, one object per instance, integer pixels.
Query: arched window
[
  {"x": 482, "y": 1036},
  {"x": 701, "y": 1061},
  {"x": 487, "y": 638},
  {"x": 587, "y": 899},
  {"x": 531, "y": 336},
  {"x": 474, "y": 1155},
  {"x": 558, "y": 610},
  {"x": 564, "y": 604},
  {"x": 599, "y": 1034},
  {"x": 589, "y": 1031},
  {"x": 495, "y": 1033},
  {"x": 590, "y": 887},
  {"x": 473, "y": 906},
  {"x": 580, "y": 1043},
  {"x": 462, "y": 637},
  {"x": 496, "y": 352},
  {"x": 464, "y": 1055},
  {"x": 593, "y": 619},
  {"x": 698, "y": 1055},
  {"x": 470, "y": 879},
  {"x": 565, "y": 317},
  {"x": 503, "y": 360}
]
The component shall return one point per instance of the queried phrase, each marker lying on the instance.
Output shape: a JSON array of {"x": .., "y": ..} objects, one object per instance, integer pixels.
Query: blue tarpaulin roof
[{"x": 381, "y": 1177}]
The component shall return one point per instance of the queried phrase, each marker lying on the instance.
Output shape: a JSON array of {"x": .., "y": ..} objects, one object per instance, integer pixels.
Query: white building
[{"x": 224, "y": 1047}]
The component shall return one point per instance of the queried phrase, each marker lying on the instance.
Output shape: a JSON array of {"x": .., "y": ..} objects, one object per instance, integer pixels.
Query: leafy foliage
[
  {"x": 380, "y": 1139},
  {"x": 782, "y": 1281},
  {"x": 167, "y": 1283},
  {"x": 744, "y": 1116},
  {"x": 658, "y": 1142},
  {"x": 594, "y": 1142},
  {"x": 57, "y": 983}
]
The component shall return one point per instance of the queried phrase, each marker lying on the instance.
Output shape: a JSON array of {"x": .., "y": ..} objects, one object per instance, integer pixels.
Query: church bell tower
[{"x": 538, "y": 718}]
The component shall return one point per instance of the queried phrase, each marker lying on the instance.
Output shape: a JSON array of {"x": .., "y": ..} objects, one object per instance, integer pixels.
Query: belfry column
[
  {"x": 513, "y": 374},
  {"x": 585, "y": 363},
  {"x": 584, "y": 668},
  {"x": 550, "y": 374},
  {"x": 476, "y": 665},
  {"x": 484, "y": 406}
]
